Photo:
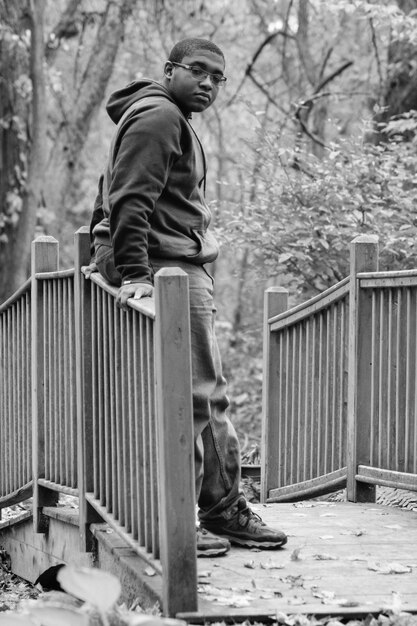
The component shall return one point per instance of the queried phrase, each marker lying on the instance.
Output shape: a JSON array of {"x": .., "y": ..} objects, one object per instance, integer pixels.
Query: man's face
[{"x": 191, "y": 94}]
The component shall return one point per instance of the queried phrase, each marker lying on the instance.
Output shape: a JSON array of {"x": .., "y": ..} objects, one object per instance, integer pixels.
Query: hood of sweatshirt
[{"x": 122, "y": 99}]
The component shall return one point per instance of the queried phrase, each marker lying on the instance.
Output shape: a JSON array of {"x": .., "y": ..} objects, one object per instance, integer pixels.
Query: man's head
[{"x": 193, "y": 74}]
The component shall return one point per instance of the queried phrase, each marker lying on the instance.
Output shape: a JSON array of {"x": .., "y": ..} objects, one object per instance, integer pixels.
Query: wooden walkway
[{"x": 341, "y": 558}]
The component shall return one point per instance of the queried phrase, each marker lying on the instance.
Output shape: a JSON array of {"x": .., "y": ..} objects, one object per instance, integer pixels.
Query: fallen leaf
[
  {"x": 270, "y": 565},
  {"x": 325, "y": 557},
  {"x": 149, "y": 571},
  {"x": 347, "y": 603},
  {"x": 294, "y": 581},
  {"x": 236, "y": 601},
  {"x": 322, "y": 595},
  {"x": 296, "y": 600},
  {"x": 398, "y": 568},
  {"x": 295, "y": 555},
  {"x": 99, "y": 588},
  {"x": 389, "y": 568}
]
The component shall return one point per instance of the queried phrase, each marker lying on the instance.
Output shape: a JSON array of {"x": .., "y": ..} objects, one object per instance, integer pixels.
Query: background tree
[
  {"x": 51, "y": 94},
  {"x": 22, "y": 145}
]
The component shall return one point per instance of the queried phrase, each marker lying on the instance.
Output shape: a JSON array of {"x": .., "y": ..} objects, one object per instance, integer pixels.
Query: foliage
[
  {"x": 17, "y": 93},
  {"x": 307, "y": 210},
  {"x": 89, "y": 600},
  {"x": 242, "y": 367}
]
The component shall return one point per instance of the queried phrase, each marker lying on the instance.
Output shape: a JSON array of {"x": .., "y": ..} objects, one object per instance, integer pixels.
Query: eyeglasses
[{"x": 199, "y": 74}]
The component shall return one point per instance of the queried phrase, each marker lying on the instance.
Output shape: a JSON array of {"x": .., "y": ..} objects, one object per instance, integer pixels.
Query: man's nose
[{"x": 206, "y": 82}]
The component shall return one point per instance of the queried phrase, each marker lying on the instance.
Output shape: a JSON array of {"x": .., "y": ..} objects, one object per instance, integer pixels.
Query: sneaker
[
  {"x": 209, "y": 545},
  {"x": 242, "y": 527}
]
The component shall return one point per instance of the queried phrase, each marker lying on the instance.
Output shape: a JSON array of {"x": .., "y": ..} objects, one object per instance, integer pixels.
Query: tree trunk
[
  {"x": 400, "y": 94},
  {"x": 21, "y": 188},
  {"x": 73, "y": 131}
]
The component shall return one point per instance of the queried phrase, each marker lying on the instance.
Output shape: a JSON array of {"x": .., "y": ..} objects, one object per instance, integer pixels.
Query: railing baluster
[
  {"x": 327, "y": 430},
  {"x": 28, "y": 413},
  {"x": 14, "y": 402},
  {"x": 154, "y": 444},
  {"x": 141, "y": 434},
  {"x": 134, "y": 418},
  {"x": 107, "y": 442},
  {"x": 44, "y": 258},
  {"x": 307, "y": 400},
  {"x": 313, "y": 425},
  {"x": 364, "y": 257},
  {"x": 146, "y": 442},
  {"x": 273, "y": 415},
  {"x": 175, "y": 438}
]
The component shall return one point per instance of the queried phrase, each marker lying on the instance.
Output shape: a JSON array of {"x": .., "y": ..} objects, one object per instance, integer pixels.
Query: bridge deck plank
[{"x": 333, "y": 563}]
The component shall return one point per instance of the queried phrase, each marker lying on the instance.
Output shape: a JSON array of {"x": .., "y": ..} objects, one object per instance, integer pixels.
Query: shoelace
[{"x": 245, "y": 515}]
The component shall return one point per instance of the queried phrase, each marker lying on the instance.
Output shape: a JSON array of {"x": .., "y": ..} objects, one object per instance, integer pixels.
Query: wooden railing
[
  {"x": 340, "y": 374},
  {"x": 96, "y": 403},
  {"x": 15, "y": 398}
]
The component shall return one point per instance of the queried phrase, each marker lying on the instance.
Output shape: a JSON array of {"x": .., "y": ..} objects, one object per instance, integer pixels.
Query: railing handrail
[
  {"x": 387, "y": 274},
  {"x": 313, "y": 305},
  {"x": 56, "y": 274},
  {"x": 146, "y": 306},
  {"x": 335, "y": 293},
  {"x": 23, "y": 289}
]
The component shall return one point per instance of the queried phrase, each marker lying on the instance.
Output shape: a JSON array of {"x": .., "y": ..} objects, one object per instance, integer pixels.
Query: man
[{"x": 150, "y": 213}]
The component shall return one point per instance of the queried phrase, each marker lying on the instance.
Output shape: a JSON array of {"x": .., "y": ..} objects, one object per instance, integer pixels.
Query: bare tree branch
[
  {"x": 253, "y": 61},
  {"x": 266, "y": 93},
  {"x": 333, "y": 75}
]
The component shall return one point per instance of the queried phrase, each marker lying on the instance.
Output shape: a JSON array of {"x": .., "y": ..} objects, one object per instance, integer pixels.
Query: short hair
[{"x": 188, "y": 46}]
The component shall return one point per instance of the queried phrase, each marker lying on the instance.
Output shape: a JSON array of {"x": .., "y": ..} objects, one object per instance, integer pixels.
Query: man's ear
[{"x": 168, "y": 69}]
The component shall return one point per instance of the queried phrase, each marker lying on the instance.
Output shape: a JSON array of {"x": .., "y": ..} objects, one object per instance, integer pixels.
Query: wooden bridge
[{"x": 96, "y": 403}]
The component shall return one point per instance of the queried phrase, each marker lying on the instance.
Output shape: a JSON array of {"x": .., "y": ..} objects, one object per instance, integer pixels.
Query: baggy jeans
[{"x": 217, "y": 452}]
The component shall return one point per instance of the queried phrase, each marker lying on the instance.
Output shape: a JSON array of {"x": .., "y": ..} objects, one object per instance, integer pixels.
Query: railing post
[
  {"x": 45, "y": 258},
  {"x": 83, "y": 338},
  {"x": 175, "y": 441},
  {"x": 364, "y": 258},
  {"x": 275, "y": 302}
]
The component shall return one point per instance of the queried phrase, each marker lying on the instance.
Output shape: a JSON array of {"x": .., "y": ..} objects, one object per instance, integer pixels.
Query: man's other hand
[{"x": 133, "y": 290}]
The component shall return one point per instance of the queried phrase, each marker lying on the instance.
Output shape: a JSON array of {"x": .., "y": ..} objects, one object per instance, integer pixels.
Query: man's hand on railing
[
  {"x": 133, "y": 290},
  {"x": 90, "y": 269}
]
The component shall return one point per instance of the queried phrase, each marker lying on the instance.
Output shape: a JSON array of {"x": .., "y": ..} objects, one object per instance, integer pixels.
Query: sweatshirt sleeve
[
  {"x": 98, "y": 213},
  {"x": 149, "y": 146}
]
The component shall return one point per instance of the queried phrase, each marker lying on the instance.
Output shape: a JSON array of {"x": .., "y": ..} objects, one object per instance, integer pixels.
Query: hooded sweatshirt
[{"x": 151, "y": 201}]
